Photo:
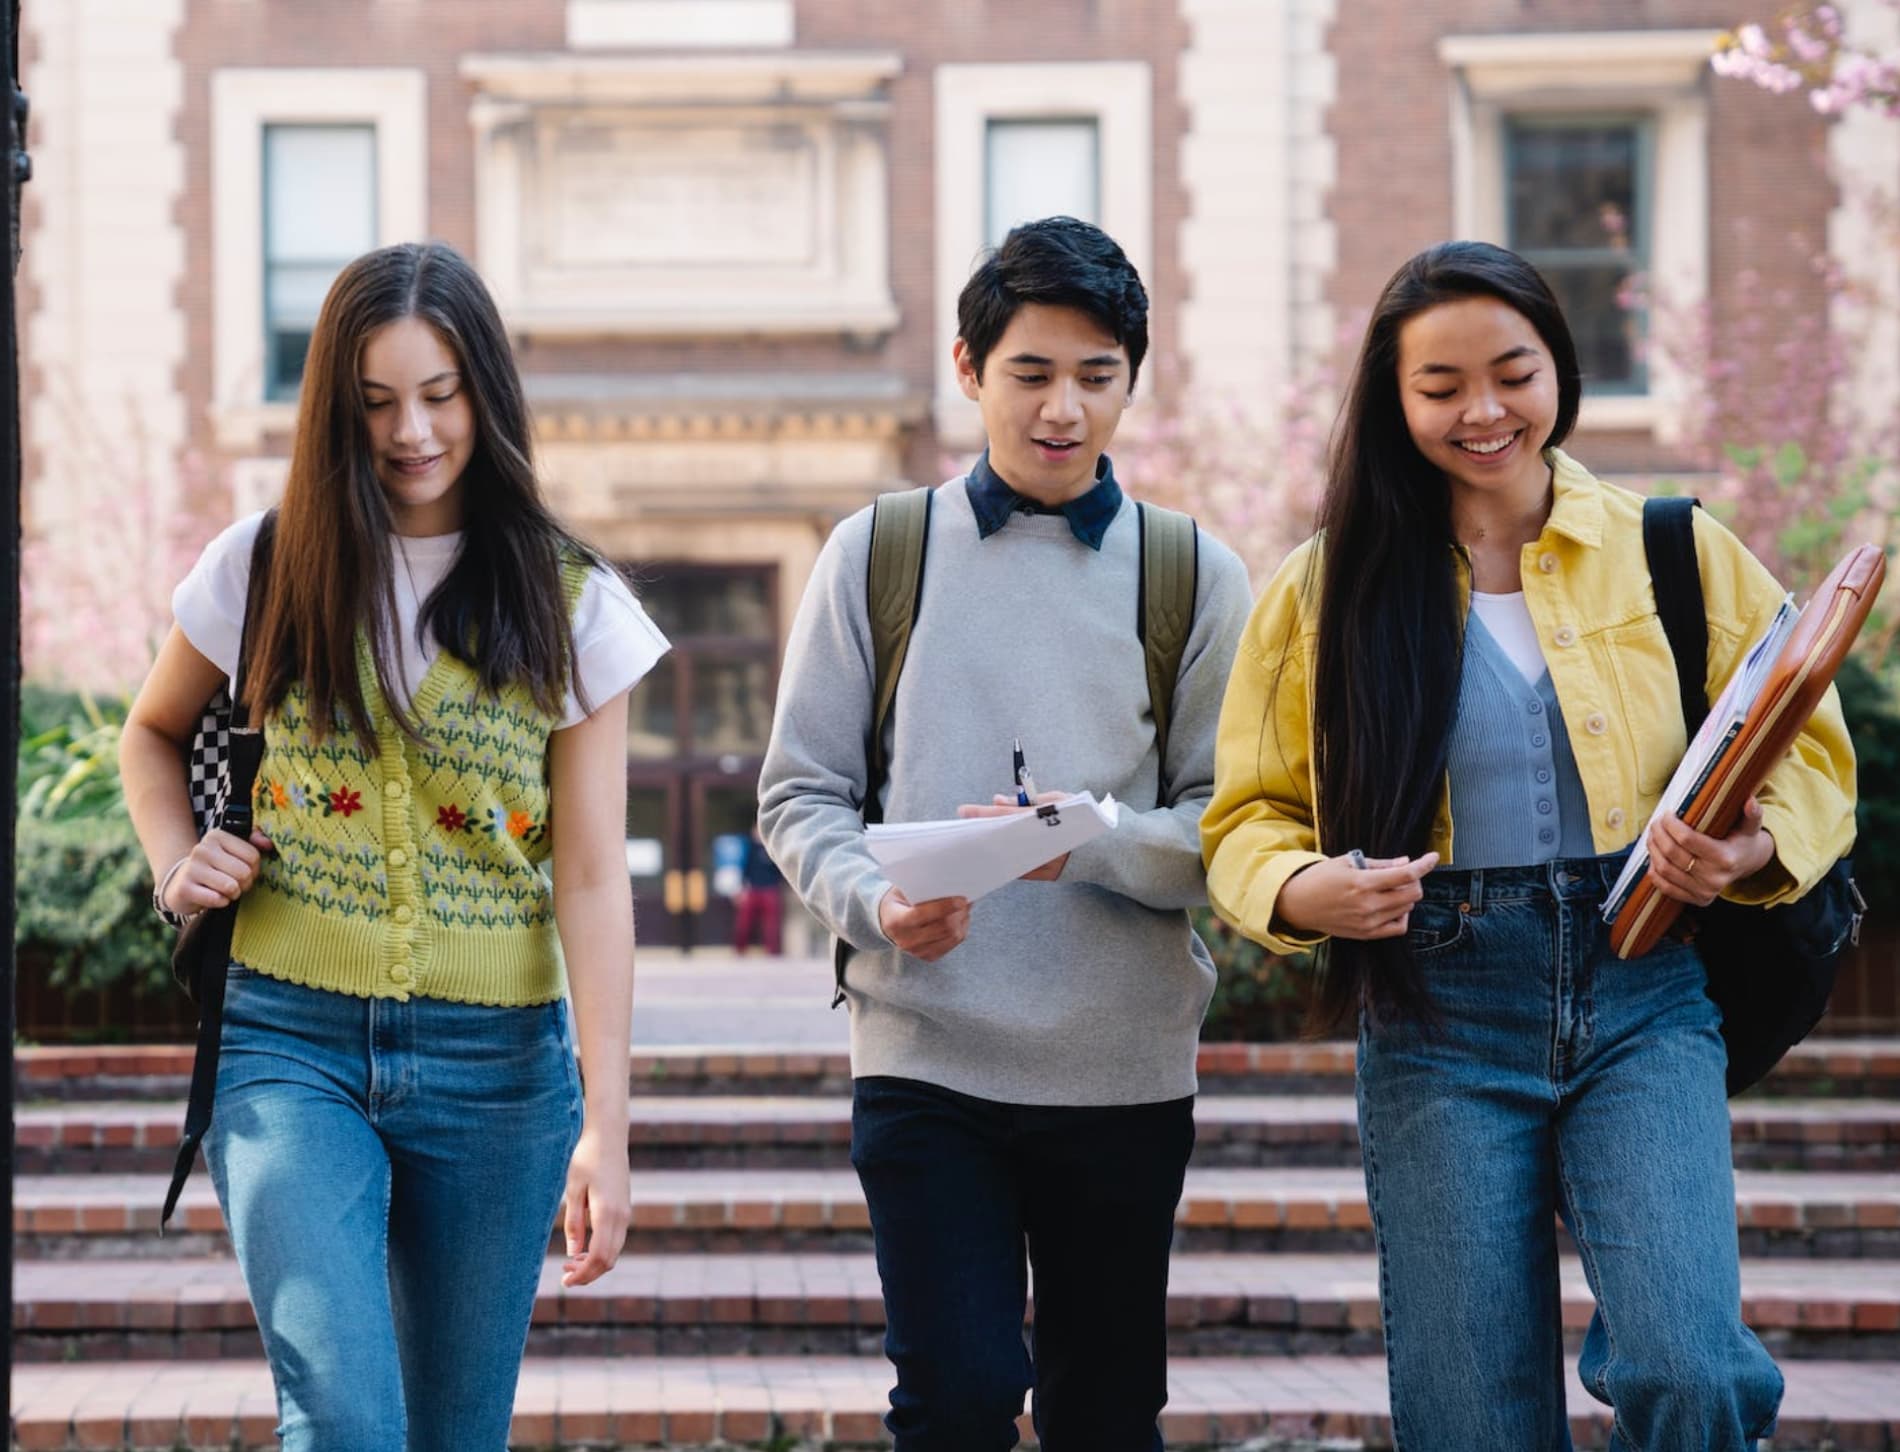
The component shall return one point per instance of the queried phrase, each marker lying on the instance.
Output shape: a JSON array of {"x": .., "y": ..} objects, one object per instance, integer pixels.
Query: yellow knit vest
[{"x": 412, "y": 870}]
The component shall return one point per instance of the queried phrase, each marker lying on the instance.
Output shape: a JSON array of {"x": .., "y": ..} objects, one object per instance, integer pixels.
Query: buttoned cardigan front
[
  {"x": 1586, "y": 585},
  {"x": 415, "y": 867}
]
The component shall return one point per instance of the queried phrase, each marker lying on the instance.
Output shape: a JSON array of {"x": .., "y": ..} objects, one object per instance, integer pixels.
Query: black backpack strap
[
  {"x": 894, "y": 586},
  {"x": 1676, "y": 577},
  {"x": 247, "y": 751}
]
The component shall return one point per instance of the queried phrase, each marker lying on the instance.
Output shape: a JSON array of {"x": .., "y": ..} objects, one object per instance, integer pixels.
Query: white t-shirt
[
  {"x": 614, "y": 641},
  {"x": 1508, "y": 619}
]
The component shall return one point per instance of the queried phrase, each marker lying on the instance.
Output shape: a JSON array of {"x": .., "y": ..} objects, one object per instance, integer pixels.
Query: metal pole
[{"x": 17, "y": 169}]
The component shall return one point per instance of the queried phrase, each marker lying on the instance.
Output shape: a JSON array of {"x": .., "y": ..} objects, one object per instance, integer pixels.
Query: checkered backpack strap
[{"x": 208, "y": 759}]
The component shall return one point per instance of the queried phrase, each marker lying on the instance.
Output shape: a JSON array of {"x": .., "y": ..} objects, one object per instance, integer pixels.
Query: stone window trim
[
  {"x": 1662, "y": 74},
  {"x": 244, "y": 100},
  {"x": 1117, "y": 94}
]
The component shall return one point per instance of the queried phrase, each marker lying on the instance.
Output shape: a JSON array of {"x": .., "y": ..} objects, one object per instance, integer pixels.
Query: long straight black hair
[
  {"x": 1391, "y": 636},
  {"x": 501, "y": 609}
]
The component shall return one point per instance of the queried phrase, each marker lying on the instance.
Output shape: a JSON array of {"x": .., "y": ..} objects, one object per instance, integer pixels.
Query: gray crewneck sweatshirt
[{"x": 1088, "y": 990}]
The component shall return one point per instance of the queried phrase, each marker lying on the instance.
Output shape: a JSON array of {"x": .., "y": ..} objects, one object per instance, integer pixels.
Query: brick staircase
[{"x": 747, "y": 1309}]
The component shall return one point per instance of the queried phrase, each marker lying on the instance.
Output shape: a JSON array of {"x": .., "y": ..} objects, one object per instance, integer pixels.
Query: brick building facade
[{"x": 728, "y": 235}]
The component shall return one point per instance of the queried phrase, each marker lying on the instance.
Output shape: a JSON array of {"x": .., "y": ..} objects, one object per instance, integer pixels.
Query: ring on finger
[{"x": 1692, "y": 864}]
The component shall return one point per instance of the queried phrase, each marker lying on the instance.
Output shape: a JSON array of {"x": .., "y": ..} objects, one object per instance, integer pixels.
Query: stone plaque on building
[{"x": 644, "y": 196}]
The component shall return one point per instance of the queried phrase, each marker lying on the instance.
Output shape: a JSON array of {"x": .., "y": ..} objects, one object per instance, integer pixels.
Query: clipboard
[
  {"x": 972, "y": 856},
  {"x": 1639, "y": 914}
]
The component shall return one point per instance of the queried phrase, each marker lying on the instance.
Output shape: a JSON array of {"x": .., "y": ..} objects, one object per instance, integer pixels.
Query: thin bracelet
[{"x": 174, "y": 919}]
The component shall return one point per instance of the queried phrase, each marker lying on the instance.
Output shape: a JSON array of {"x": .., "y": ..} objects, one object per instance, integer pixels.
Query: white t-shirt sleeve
[
  {"x": 615, "y": 642},
  {"x": 209, "y": 602}
]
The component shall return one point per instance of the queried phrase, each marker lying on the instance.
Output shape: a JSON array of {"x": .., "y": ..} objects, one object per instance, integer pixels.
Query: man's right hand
[{"x": 925, "y": 930}]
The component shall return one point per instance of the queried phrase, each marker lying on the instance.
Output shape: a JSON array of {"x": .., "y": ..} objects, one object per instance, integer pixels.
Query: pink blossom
[{"x": 1804, "y": 45}]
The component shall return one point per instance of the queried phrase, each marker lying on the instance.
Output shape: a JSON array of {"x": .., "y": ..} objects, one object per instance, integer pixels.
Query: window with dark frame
[
  {"x": 1579, "y": 204},
  {"x": 712, "y": 694},
  {"x": 319, "y": 212},
  {"x": 1040, "y": 168}
]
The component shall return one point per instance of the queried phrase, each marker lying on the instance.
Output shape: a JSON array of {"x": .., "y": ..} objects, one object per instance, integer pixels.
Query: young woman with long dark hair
[
  {"x": 441, "y": 674},
  {"x": 1463, "y": 679}
]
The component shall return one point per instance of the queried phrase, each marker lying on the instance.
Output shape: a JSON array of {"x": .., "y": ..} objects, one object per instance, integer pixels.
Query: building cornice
[{"x": 712, "y": 78}]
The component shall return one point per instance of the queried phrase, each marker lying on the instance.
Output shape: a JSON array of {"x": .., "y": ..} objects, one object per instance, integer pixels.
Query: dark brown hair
[
  {"x": 501, "y": 609},
  {"x": 1388, "y": 654}
]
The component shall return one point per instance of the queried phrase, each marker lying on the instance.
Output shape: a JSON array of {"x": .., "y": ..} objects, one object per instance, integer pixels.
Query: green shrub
[
  {"x": 84, "y": 893},
  {"x": 85, "y": 905},
  {"x": 1868, "y": 700},
  {"x": 69, "y": 756},
  {"x": 1259, "y": 996}
]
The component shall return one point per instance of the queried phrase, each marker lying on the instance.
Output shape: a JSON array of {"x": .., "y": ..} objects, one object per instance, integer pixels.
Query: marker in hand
[{"x": 1358, "y": 860}]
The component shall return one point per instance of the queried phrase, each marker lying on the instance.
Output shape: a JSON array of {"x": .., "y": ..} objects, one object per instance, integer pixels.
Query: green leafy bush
[
  {"x": 84, "y": 914},
  {"x": 1868, "y": 699},
  {"x": 1259, "y": 997},
  {"x": 85, "y": 905},
  {"x": 69, "y": 757}
]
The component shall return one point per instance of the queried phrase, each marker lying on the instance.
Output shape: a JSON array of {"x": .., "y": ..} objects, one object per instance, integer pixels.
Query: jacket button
[
  {"x": 1547, "y": 562},
  {"x": 1595, "y": 723},
  {"x": 405, "y": 913},
  {"x": 1615, "y": 817},
  {"x": 1566, "y": 635},
  {"x": 398, "y": 857},
  {"x": 399, "y": 974},
  {"x": 396, "y": 788}
]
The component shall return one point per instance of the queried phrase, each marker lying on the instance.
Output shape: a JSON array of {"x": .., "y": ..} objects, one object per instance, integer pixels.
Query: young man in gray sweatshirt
[{"x": 1023, "y": 1066}]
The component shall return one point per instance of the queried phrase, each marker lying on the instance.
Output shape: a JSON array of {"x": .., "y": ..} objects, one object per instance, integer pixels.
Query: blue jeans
[
  {"x": 1563, "y": 1081},
  {"x": 390, "y": 1174},
  {"x": 959, "y": 1190}
]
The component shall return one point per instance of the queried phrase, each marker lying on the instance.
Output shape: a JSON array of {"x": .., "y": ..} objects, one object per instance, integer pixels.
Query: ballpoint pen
[{"x": 1025, "y": 783}]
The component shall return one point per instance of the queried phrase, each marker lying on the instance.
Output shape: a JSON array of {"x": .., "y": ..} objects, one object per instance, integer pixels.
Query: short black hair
[{"x": 1058, "y": 262}]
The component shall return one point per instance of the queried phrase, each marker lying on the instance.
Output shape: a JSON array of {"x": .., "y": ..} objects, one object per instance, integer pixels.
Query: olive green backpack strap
[
  {"x": 900, "y": 529},
  {"x": 1170, "y": 568}
]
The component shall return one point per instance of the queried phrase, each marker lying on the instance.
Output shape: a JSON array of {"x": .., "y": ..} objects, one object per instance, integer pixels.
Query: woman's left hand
[
  {"x": 598, "y": 1205},
  {"x": 1692, "y": 867}
]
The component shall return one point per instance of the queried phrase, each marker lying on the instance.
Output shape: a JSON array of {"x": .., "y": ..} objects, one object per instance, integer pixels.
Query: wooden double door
[{"x": 697, "y": 729}]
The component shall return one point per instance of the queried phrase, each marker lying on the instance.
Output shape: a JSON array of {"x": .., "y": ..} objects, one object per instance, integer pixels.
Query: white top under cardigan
[{"x": 614, "y": 640}]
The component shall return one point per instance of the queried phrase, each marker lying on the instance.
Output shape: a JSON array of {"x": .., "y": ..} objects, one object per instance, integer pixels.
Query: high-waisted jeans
[
  {"x": 1566, "y": 1082},
  {"x": 390, "y": 1174}
]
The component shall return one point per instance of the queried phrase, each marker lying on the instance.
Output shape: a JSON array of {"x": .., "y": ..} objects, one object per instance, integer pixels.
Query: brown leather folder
[{"x": 1801, "y": 675}]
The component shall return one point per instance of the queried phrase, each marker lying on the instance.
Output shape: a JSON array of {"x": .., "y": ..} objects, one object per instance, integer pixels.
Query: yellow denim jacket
[{"x": 1587, "y": 587}]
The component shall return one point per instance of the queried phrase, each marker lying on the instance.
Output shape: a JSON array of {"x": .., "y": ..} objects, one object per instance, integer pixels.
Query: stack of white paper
[
  {"x": 1719, "y": 728},
  {"x": 970, "y": 856}
]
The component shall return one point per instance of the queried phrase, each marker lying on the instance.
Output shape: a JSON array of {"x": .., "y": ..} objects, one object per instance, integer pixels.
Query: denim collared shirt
[{"x": 992, "y": 502}]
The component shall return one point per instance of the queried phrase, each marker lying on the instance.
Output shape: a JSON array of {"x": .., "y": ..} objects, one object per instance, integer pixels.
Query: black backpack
[{"x": 1770, "y": 969}]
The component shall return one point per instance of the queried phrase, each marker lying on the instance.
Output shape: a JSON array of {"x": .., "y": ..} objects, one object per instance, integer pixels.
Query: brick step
[
  {"x": 783, "y": 1305},
  {"x": 1320, "y": 1210},
  {"x": 1831, "y": 1068},
  {"x": 805, "y": 1402},
  {"x": 812, "y": 1132}
]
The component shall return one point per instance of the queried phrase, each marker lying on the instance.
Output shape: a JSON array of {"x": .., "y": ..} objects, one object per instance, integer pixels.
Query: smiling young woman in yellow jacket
[{"x": 1464, "y": 677}]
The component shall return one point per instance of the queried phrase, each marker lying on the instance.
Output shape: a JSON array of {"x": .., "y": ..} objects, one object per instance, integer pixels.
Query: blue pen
[{"x": 1025, "y": 783}]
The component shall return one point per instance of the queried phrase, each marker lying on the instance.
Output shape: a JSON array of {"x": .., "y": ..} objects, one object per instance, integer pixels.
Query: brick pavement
[
  {"x": 749, "y": 1307},
  {"x": 693, "y": 1402}
]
